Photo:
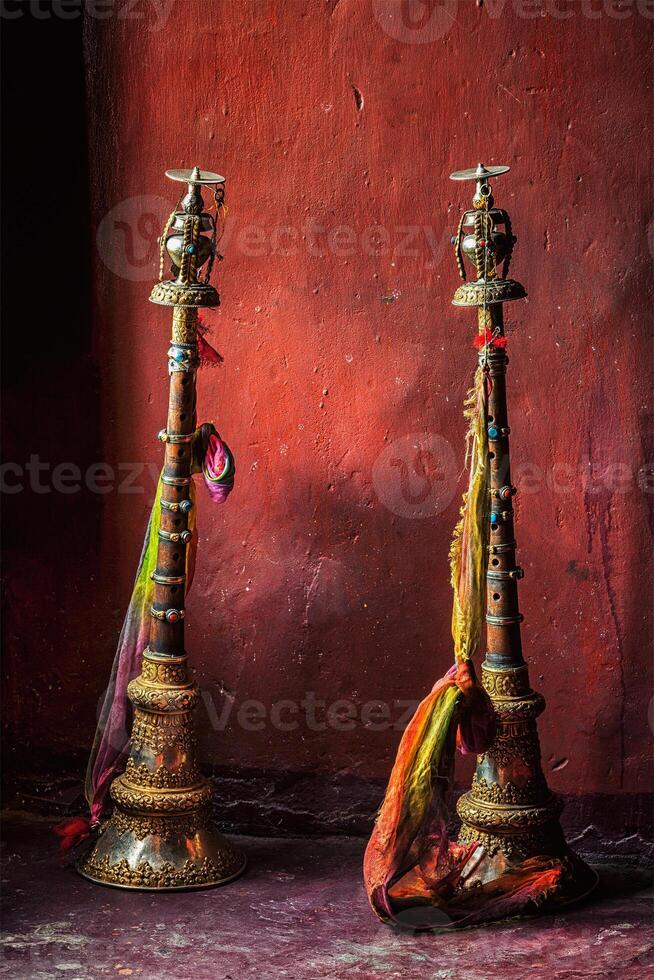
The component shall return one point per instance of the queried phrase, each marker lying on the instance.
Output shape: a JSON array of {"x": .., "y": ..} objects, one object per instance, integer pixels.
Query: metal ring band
[
  {"x": 176, "y": 481},
  {"x": 175, "y": 505},
  {"x": 505, "y": 574},
  {"x": 498, "y": 491},
  {"x": 170, "y": 615},
  {"x": 168, "y": 579},
  {"x": 499, "y": 549},
  {"x": 177, "y": 537},
  {"x": 503, "y": 620},
  {"x": 155, "y": 657},
  {"x": 179, "y": 343},
  {"x": 175, "y": 437},
  {"x": 182, "y": 354},
  {"x": 182, "y": 367},
  {"x": 487, "y": 668}
]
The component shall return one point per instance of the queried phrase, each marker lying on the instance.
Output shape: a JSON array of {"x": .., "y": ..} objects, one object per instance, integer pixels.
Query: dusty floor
[{"x": 299, "y": 913}]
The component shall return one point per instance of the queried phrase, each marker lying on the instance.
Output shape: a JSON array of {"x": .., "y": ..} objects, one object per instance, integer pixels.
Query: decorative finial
[
  {"x": 484, "y": 238},
  {"x": 187, "y": 247}
]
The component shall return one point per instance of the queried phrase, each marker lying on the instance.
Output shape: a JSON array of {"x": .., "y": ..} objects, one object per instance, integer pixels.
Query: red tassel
[
  {"x": 71, "y": 833},
  {"x": 208, "y": 354},
  {"x": 487, "y": 338}
]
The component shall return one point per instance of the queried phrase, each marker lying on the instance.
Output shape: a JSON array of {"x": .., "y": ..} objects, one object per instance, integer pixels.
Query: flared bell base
[
  {"x": 501, "y": 852},
  {"x": 162, "y": 853}
]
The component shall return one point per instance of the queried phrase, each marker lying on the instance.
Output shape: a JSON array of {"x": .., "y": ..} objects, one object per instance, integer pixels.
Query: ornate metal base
[
  {"x": 485, "y": 293},
  {"x": 161, "y": 835},
  {"x": 162, "y": 853},
  {"x": 509, "y": 808}
]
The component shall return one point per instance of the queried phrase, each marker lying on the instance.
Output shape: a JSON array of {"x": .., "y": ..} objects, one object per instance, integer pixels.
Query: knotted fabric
[
  {"x": 413, "y": 874},
  {"x": 211, "y": 457}
]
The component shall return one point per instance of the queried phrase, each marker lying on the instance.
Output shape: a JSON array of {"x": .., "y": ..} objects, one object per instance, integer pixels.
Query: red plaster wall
[{"x": 326, "y": 571}]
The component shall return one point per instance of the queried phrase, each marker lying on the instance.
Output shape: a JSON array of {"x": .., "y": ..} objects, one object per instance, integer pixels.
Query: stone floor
[{"x": 299, "y": 913}]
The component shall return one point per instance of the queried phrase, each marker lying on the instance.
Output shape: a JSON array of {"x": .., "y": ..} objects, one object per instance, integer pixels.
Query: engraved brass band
[
  {"x": 544, "y": 839},
  {"x": 507, "y": 682},
  {"x": 174, "y": 294},
  {"x": 167, "y": 877},
  {"x": 164, "y": 699},
  {"x": 508, "y": 794},
  {"x": 162, "y": 732},
  {"x": 161, "y": 778},
  {"x": 517, "y": 708},
  {"x": 166, "y": 828},
  {"x": 487, "y": 293},
  {"x": 162, "y": 801},
  {"x": 184, "y": 326},
  {"x": 163, "y": 674},
  {"x": 165, "y": 671},
  {"x": 506, "y": 818}
]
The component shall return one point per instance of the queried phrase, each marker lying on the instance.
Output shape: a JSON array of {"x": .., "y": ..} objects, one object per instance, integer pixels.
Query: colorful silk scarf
[
  {"x": 413, "y": 874},
  {"x": 213, "y": 458}
]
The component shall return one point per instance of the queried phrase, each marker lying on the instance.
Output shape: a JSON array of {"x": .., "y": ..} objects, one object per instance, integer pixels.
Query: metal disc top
[
  {"x": 480, "y": 172},
  {"x": 195, "y": 176}
]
